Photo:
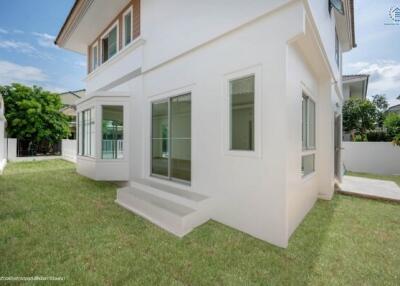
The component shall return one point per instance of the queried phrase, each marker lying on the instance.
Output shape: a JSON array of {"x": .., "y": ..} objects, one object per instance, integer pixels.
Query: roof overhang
[
  {"x": 345, "y": 25},
  {"x": 86, "y": 20},
  {"x": 357, "y": 83}
]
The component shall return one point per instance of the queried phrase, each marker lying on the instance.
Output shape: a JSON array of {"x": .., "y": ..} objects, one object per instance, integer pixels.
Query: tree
[
  {"x": 382, "y": 105},
  {"x": 392, "y": 124},
  {"x": 33, "y": 114},
  {"x": 359, "y": 116}
]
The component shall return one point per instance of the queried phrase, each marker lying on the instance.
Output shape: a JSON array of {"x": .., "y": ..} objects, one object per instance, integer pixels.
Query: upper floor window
[
  {"x": 95, "y": 56},
  {"x": 337, "y": 49},
  {"x": 109, "y": 43},
  {"x": 127, "y": 27}
]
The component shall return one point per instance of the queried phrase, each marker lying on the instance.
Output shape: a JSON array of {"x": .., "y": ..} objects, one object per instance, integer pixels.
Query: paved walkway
[{"x": 370, "y": 188}]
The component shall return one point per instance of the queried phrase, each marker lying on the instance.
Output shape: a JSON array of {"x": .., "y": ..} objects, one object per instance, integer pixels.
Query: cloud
[
  {"x": 17, "y": 31},
  {"x": 11, "y": 72},
  {"x": 81, "y": 64},
  {"x": 2, "y": 31},
  {"x": 45, "y": 40},
  {"x": 28, "y": 75},
  {"x": 384, "y": 77},
  {"x": 16, "y": 46}
]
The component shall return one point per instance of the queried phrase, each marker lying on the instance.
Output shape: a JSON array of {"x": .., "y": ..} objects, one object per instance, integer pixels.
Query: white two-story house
[{"x": 227, "y": 110}]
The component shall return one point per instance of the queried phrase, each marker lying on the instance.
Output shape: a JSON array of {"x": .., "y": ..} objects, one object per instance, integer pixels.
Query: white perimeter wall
[
  {"x": 69, "y": 150},
  {"x": 372, "y": 157},
  {"x": 2, "y": 147}
]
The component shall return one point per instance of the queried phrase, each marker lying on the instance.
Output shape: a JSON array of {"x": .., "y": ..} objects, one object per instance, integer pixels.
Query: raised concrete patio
[{"x": 370, "y": 188}]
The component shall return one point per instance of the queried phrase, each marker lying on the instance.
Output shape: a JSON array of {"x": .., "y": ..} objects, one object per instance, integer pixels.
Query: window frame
[
  {"x": 82, "y": 132},
  {"x": 168, "y": 99},
  {"x": 127, "y": 11},
  {"x": 309, "y": 147},
  {"x": 255, "y": 71},
  {"x": 104, "y": 35},
  {"x": 308, "y": 150},
  {"x": 101, "y": 106},
  {"x": 337, "y": 49},
  {"x": 93, "y": 66}
]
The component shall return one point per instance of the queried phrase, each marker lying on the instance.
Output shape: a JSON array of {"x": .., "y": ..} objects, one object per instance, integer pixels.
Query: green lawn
[
  {"x": 395, "y": 179},
  {"x": 54, "y": 222}
]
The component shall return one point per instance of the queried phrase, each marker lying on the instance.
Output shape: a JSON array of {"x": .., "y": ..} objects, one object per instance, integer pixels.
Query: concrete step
[
  {"x": 170, "y": 215},
  {"x": 174, "y": 193}
]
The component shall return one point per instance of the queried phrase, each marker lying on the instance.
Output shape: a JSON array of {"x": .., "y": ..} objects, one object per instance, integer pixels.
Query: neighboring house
[
  {"x": 69, "y": 100},
  {"x": 355, "y": 86},
  {"x": 394, "y": 109},
  {"x": 3, "y": 150},
  {"x": 224, "y": 110}
]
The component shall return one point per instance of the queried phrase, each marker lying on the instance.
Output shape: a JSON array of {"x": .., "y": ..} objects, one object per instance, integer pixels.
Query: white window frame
[
  {"x": 337, "y": 50},
  {"x": 93, "y": 66},
  {"x": 307, "y": 147},
  {"x": 129, "y": 10},
  {"x": 313, "y": 149},
  {"x": 255, "y": 71},
  {"x": 105, "y": 34}
]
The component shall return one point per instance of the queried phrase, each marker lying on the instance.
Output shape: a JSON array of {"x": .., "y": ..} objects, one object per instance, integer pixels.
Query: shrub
[
  {"x": 378, "y": 136},
  {"x": 392, "y": 124}
]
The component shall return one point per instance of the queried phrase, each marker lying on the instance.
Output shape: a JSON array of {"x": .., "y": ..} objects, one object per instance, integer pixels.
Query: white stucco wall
[
  {"x": 69, "y": 150},
  {"x": 372, "y": 157},
  {"x": 261, "y": 193}
]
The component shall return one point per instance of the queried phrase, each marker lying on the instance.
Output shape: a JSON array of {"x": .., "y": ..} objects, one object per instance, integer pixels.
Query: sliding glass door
[{"x": 171, "y": 138}]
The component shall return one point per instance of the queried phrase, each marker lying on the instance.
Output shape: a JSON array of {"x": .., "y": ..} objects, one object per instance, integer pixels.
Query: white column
[{"x": 325, "y": 141}]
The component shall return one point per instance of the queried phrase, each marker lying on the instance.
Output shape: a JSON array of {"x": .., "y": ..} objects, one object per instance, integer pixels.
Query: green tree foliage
[
  {"x": 382, "y": 105},
  {"x": 392, "y": 124},
  {"x": 359, "y": 116},
  {"x": 33, "y": 114}
]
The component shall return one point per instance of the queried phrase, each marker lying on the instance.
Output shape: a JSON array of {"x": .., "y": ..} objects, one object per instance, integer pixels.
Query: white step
[
  {"x": 174, "y": 217},
  {"x": 173, "y": 193}
]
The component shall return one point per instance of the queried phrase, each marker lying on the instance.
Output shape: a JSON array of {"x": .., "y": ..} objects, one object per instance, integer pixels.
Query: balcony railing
[{"x": 112, "y": 149}]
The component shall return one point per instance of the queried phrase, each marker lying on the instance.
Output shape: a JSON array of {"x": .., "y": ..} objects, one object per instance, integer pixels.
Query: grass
[
  {"x": 393, "y": 178},
  {"x": 54, "y": 222}
]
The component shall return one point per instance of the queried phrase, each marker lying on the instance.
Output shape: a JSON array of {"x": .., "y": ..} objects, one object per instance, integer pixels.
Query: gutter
[
  {"x": 65, "y": 22},
  {"x": 352, "y": 25}
]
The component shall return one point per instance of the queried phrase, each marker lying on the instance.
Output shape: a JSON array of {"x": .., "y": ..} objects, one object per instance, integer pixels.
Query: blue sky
[
  {"x": 28, "y": 55},
  {"x": 378, "y": 48},
  {"x": 27, "y": 52}
]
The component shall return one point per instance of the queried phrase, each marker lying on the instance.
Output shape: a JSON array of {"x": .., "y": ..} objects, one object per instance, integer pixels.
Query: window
[
  {"x": 307, "y": 164},
  {"x": 127, "y": 30},
  {"x": 308, "y": 123},
  {"x": 308, "y": 135},
  {"x": 95, "y": 56},
  {"x": 112, "y": 132},
  {"x": 241, "y": 97},
  {"x": 171, "y": 138},
  {"x": 337, "y": 49},
  {"x": 86, "y": 133},
  {"x": 109, "y": 43}
]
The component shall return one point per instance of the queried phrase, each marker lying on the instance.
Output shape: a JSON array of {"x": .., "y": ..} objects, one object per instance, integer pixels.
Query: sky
[
  {"x": 28, "y": 55},
  {"x": 378, "y": 48},
  {"x": 27, "y": 51}
]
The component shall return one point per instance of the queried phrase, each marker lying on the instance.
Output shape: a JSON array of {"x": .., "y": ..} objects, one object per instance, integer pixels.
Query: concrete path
[{"x": 370, "y": 188}]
